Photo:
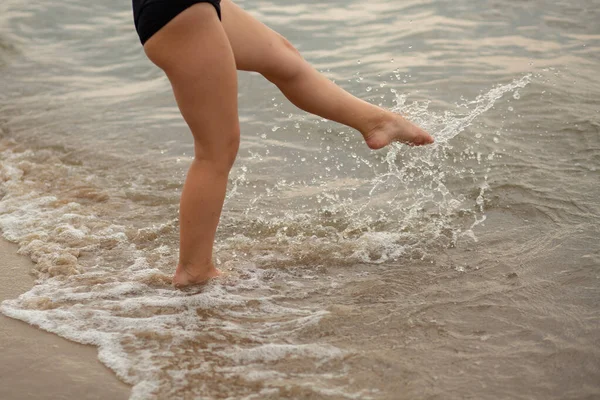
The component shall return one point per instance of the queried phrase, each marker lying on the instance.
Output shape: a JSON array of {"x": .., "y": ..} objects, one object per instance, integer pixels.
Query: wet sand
[{"x": 40, "y": 365}]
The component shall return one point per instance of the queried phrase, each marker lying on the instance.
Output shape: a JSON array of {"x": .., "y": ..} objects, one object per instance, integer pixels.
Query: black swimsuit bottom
[{"x": 151, "y": 15}]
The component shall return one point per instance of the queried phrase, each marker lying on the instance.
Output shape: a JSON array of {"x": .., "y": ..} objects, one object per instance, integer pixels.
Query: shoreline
[{"x": 37, "y": 364}]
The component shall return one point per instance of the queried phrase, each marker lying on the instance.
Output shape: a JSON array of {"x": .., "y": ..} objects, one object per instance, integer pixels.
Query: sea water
[{"x": 469, "y": 268}]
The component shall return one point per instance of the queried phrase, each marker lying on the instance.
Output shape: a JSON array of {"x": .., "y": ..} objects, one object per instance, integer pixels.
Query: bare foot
[
  {"x": 393, "y": 128},
  {"x": 186, "y": 276}
]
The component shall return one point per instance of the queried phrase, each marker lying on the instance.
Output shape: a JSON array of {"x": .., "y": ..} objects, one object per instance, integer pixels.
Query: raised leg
[
  {"x": 193, "y": 50},
  {"x": 258, "y": 48}
]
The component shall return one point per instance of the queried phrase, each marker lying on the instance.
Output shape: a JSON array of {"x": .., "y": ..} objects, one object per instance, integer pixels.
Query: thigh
[
  {"x": 194, "y": 52},
  {"x": 256, "y": 47}
]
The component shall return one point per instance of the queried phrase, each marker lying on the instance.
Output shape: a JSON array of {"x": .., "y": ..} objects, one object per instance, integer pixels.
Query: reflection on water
[{"x": 464, "y": 269}]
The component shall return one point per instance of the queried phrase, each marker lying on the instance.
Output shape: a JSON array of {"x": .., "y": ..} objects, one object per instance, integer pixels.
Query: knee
[
  {"x": 221, "y": 155},
  {"x": 230, "y": 151},
  {"x": 289, "y": 47},
  {"x": 288, "y": 65}
]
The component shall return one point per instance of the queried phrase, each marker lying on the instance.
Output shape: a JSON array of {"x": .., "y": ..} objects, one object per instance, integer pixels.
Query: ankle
[
  {"x": 196, "y": 270},
  {"x": 378, "y": 121},
  {"x": 193, "y": 275}
]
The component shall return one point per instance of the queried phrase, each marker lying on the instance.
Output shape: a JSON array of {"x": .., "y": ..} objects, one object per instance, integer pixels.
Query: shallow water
[{"x": 467, "y": 269}]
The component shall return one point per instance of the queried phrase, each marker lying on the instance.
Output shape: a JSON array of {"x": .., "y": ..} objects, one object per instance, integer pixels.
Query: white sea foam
[{"x": 275, "y": 352}]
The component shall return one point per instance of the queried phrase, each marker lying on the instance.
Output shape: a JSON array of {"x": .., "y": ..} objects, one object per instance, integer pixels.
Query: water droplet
[
  {"x": 511, "y": 109},
  {"x": 369, "y": 88},
  {"x": 263, "y": 136},
  {"x": 358, "y": 62},
  {"x": 275, "y": 129}
]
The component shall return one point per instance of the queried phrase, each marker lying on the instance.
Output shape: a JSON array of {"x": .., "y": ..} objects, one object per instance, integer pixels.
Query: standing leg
[
  {"x": 193, "y": 50},
  {"x": 258, "y": 48}
]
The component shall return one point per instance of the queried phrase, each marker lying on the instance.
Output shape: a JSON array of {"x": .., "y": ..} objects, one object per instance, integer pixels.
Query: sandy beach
[{"x": 39, "y": 365}]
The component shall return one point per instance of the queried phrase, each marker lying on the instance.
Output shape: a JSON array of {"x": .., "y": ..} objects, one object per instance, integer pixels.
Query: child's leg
[
  {"x": 258, "y": 48},
  {"x": 194, "y": 52}
]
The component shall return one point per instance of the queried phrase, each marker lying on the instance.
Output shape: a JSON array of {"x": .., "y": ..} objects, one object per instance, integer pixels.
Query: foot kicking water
[{"x": 394, "y": 128}]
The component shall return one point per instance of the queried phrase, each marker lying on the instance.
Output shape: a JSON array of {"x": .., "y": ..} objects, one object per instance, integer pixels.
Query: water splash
[{"x": 408, "y": 196}]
